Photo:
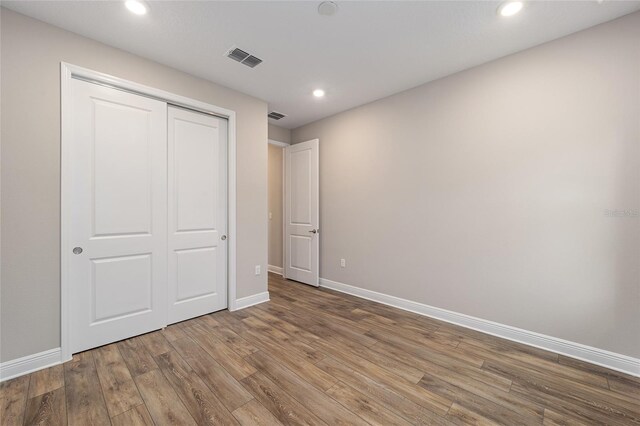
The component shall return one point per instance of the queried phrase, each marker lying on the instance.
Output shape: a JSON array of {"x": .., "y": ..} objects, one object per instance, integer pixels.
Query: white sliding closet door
[
  {"x": 118, "y": 219},
  {"x": 197, "y": 214}
]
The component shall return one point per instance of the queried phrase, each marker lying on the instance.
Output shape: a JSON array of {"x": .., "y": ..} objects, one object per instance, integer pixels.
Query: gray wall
[
  {"x": 279, "y": 134},
  {"x": 485, "y": 192},
  {"x": 31, "y": 52}
]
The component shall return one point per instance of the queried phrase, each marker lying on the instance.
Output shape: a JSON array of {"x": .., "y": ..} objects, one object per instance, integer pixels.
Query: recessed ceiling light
[
  {"x": 136, "y": 6},
  {"x": 318, "y": 93},
  {"x": 510, "y": 8}
]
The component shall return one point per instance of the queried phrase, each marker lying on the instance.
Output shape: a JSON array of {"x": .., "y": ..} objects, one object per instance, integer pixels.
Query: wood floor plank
[
  {"x": 539, "y": 364},
  {"x": 228, "y": 337},
  {"x": 162, "y": 401},
  {"x": 506, "y": 347},
  {"x": 624, "y": 385},
  {"x": 567, "y": 409},
  {"x": 254, "y": 414},
  {"x": 619, "y": 407},
  {"x": 137, "y": 416},
  {"x": 208, "y": 321},
  {"x": 203, "y": 405},
  {"x": 618, "y": 382},
  {"x": 428, "y": 350},
  {"x": 315, "y": 400},
  {"x": 85, "y": 402},
  {"x": 409, "y": 332},
  {"x": 367, "y": 408},
  {"x": 463, "y": 416},
  {"x": 410, "y": 391},
  {"x": 285, "y": 326},
  {"x": 231, "y": 321},
  {"x": 156, "y": 343},
  {"x": 284, "y": 407},
  {"x": 341, "y": 325},
  {"x": 119, "y": 390},
  {"x": 295, "y": 362},
  {"x": 284, "y": 338},
  {"x": 331, "y": 344},
  {"x": 411, "y": 411},
  {"x": 46, "y": 380},
  {"x": 438, "y": 363},
  {"x": 231, "y": 361},
  {"x": 500, "y": 407},
  {"x": 306, "y": 352},
  {"x": 226, "y": 388},
  {"x": 48, "y": 408},
  {"x": 551, "y": 418},
  {"x": 136, "y": 356},
  {"x": 13, "y": 400},
  {"x": 173, "y": 332},
  {"x": 82, "y": 356}
]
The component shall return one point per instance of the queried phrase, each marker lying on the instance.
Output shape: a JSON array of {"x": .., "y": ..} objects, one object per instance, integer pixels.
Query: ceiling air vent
[
  {"x": 275, "y": 115},
  {"x": 243, "y": 57}
]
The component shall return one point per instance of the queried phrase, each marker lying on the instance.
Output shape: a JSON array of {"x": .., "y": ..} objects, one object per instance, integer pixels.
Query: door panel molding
[{"x": 68, "y": 73}]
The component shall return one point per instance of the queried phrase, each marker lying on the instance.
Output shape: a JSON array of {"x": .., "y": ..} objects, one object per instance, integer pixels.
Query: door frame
[{"x": 69, "y": 72}]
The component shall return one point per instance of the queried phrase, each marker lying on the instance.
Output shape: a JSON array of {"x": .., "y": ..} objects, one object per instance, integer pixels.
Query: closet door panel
[
  {"x": 118, "y": 235},
  {"x": 197, "y": 214}
]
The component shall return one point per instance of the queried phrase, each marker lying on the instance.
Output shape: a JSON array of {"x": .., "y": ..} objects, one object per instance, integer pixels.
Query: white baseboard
[
  {"x": 612, "y": 360},
  {"x": 29, "y": 364},
  {"x": 255, "y": 299},
  {"x": 275, "y": 269}
]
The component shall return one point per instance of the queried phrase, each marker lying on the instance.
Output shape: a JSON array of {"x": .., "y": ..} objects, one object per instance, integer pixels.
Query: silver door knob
[
  {"x": 224, "y": 237},
  {"x": 77, "y": 250},
  {"x": 314, "y": 231}
]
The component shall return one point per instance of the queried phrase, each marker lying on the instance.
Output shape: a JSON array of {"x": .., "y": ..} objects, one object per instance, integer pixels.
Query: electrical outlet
[
  {"x": 270, "y": 215},
  {"x": 257, "y": 269},
  {"x": 343, "y": 263}
]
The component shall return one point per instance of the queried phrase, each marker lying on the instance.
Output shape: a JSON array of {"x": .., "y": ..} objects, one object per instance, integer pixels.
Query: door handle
[
  {"x": 224, "y": 237},
  {"x": 314, "y": 231},
  {"x": 77, "y": 250}
]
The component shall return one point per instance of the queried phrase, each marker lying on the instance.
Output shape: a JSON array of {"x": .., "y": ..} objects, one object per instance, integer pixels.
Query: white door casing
[
  {"x": 117, "y": 172},
  {"x": 302, "y": 215},
  {"x": 197, "y": 190}
]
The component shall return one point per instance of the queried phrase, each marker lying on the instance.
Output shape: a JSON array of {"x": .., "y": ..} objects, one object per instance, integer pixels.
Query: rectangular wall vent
[
  {"x": 243, "y": 57},
  {"x": 275, "y": 115}
]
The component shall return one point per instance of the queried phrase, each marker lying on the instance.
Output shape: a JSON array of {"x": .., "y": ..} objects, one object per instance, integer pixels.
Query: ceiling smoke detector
[
  {"x": 243, "y": 57},
  {"x": 327, "y": 8}
]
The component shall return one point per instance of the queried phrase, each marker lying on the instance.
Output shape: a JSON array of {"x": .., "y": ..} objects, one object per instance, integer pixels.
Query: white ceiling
[{"x": 367, "y": 51}]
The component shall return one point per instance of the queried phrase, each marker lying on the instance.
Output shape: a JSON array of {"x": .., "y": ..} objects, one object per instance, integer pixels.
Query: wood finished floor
[{"x": 317, "y": 357}]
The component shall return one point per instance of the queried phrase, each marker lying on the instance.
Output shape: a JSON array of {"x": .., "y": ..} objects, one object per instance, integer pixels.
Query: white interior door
[
  {"x": 197, "y": 214},
  {"x": 118, "y": 221},
  {"x": 302, "y": 202}
]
